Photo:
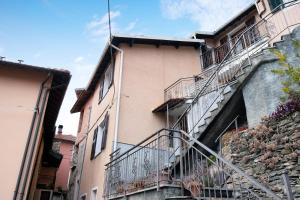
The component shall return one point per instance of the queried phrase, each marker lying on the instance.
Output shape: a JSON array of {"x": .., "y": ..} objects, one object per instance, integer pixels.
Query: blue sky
[{"x": 71, "y": 34}]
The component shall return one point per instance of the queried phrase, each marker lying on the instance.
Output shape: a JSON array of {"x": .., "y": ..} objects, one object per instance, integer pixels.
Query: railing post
[
  {"x": 287, "y": 185},
  {"x": 248, "y": 56},
  {"x": 181, "y": 165},
  {"x": 213, "y": 56},
  {"x": 157, "y": 166}
]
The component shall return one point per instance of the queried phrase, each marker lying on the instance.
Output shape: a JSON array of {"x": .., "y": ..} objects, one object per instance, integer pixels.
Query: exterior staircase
[{"x": 188, "y": 166}]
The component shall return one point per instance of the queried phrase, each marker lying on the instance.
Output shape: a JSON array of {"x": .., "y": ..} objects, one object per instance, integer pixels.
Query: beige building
[
  {"x": 147, "y": 83},
  {"x": 31, "y": 99},
  {"x": 117, "y": 104}
]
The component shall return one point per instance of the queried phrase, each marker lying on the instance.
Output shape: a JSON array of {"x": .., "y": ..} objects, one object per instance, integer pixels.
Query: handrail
[
  {"x": 281, "y": 6},
  {"x": 152, "y": 138},
  {"x": 179, "y": 80},
  {"x": 136, "y": 146},
  {"x": 227, "y": 128},
  {"x": 220, "y": 65},
  {"x": 186, "y": 138},
  {"x": 231, "y": 165}
]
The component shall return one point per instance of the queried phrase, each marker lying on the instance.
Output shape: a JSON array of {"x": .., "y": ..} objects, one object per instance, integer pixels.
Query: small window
[
  {"x": 83, "y": 197},
  {"x": 99, "y": 138},
  {"x": 275, "y": 4},
  {"x": 94, "y": 194},
  {"x": 105, "y": 82}
]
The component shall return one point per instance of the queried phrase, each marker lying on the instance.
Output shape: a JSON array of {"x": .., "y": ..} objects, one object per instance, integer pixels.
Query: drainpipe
[
  {"x": 29, "y": 137},
  {"x": 118, "y": 97},
  {"x": 41, "y": 112}
]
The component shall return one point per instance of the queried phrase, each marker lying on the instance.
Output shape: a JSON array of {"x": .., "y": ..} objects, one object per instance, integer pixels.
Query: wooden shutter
[
  {"x": 105, "y": 129},
  {"x": 101, "y": 82},
  {"x": 94, "y": 143}
]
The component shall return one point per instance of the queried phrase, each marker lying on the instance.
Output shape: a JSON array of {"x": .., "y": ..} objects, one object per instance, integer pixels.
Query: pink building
[{"x": 64, "y": 145}]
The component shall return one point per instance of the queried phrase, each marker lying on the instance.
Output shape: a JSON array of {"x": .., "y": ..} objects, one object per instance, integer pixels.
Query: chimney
[{"x": 60, "y": 128}]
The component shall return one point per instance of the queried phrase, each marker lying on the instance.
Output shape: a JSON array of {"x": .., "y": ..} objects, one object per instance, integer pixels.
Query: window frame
[
  {"x": 92, "y": 190},
  {"x": 102, "y": 143},
  {"x": 83, "y": 195},
  {"x": 102, "y": 81},
  {"x": 276, "y": 8}
]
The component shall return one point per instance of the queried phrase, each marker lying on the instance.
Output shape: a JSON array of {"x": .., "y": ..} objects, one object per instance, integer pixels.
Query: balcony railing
[
  {"x": 251, "y": 40},
  {"x": 169, "y": 158},
  {"x": 232, "y": 65}
]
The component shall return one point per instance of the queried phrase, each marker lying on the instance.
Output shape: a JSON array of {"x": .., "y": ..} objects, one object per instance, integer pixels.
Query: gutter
[
  {"x": 36, "y": 109},
  {"x": 118, "y": 97}
]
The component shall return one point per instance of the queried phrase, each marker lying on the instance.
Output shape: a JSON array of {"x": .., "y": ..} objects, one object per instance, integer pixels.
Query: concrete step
[{"x": 180, "y": 198}]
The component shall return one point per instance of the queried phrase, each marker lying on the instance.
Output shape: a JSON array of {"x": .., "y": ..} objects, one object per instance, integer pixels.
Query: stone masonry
[{"x": 267, "y": 151}]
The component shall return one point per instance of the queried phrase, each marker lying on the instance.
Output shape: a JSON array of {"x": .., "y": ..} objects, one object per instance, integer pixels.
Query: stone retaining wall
[{"x": 267, "y": 151}]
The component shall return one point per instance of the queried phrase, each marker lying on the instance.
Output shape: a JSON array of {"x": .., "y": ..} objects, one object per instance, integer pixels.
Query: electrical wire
[{"x": 111, "y": 49}]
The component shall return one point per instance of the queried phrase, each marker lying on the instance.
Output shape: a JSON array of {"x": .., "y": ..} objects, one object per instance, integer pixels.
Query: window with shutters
[
  {"x": 274, "y": 4},
  {"x": 105, "y": 82},
  {"x": 99, "y": 138}
]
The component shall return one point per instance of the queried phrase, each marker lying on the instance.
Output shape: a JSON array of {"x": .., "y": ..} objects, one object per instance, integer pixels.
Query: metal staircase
[
  {"x": 196, "y": 170},
  {"x": 175, "y": 158}
]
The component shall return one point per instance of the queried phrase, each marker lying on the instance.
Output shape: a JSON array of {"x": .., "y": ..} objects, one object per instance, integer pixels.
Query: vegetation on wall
[
  {"x": 290, "y": 85},
  {"x": 291, "y": 73}
]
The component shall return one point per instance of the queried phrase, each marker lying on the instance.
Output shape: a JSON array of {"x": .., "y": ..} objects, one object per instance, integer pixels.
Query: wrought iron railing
[
  {"x": 174, "y": 157},
  {"x": 228, "y": 54},
  {"x": 227, "y": 71}
]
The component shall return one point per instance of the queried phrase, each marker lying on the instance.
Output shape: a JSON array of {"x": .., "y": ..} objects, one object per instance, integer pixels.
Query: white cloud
[
  {"x": 78, "y": 59},
  {"x": 130, "y": 26},
  {"x": 37, "y": 55},
  {"x": 98, "y": 27},
  {"x": 96, "y": 23},
  {"x": 208, "y": 14},
  {"x": 1, "y": 50}
]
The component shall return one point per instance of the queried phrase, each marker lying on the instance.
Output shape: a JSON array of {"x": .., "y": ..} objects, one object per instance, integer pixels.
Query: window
[
  {"x": 105, "y": 82},
  {"x": 99, "y": 138},
  {"x": 94, "y": 194},
  {"x": 83, "y": 197},
  {"x": 46, "y": 195},
  {"x": 274, "y": 4}
]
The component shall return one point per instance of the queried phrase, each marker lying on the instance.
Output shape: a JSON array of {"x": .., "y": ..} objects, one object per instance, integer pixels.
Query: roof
[
  {"x": 105, "y": 59},
  {"x": 244, "y": 12},
  {"x": 60, "y": 82},
  {"x": 67, "y": 138}
]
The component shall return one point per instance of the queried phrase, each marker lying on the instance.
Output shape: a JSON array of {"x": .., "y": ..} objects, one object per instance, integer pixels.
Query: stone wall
[
  {"x": 263, "y": 91},
  {"x": 267, "y": 151}
]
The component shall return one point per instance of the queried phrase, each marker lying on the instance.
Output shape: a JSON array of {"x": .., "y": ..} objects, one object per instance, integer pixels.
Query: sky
[{"x": 71, "y": 34}]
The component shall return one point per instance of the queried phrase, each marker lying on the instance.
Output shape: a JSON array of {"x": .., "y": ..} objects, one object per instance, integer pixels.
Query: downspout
[
  {"x": 29, "y": 137},
  {"x": 118, "y": 97},
  {"x": 34, "y": 141}
]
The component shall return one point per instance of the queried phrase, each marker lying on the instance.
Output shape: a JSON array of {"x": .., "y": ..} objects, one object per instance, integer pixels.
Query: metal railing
[
  {"x": 168, "y": 157},
  {"x": 247, "y": 43},
  {"x": 230, "y": 69},
  {"x": 176, "y": 157}
]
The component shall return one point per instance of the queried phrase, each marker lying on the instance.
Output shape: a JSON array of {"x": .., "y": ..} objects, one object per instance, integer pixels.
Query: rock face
[
  {"x": 264, "y": 88},
  {"x": 269, "y": 150}
]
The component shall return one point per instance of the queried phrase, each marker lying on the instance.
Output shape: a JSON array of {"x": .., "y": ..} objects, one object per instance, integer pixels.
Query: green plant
[
  {"x": 291, "y": 86},
  {"x": 211, "y": 160}
]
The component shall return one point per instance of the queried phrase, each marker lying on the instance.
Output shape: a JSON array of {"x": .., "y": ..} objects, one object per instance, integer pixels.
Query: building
[
  {"x": 30, "y": 103},
  {"x": 153, "y": 113},
  {"x": 120, "y": 97},
  {"x": 63, "y": 144}
]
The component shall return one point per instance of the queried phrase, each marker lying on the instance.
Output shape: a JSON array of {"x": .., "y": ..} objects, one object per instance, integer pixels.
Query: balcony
[{"x": 245, "y": 45}]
